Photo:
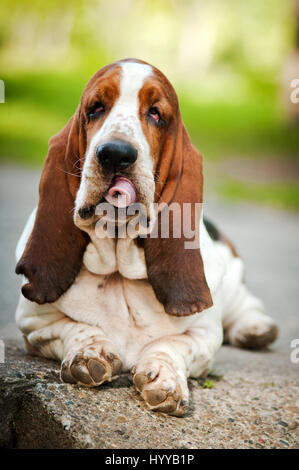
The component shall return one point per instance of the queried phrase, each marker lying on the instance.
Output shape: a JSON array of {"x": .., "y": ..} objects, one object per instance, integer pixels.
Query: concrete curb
[{"x": 243, "y": 410}]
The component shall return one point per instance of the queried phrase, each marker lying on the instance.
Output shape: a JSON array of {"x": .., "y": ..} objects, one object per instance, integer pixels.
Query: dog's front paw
[
  {"x": 90, "y": 367},
  {"x": 162, "y": 387}
]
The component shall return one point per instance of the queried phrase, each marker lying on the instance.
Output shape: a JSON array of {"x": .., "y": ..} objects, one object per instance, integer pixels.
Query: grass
[
  {"x": 253, "y": 125},
  {"x": 39, "y": 104},
  {"x": 279, "y": 195}
]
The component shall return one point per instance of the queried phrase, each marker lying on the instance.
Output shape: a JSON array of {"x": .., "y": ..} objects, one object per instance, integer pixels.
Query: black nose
[{"x": 116, "y": 155}]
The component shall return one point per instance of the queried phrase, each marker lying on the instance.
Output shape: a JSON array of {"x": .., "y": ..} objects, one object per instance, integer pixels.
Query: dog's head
[{"x": 126, "y": 138}]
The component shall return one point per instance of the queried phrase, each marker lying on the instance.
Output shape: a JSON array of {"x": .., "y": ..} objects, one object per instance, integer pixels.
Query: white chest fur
[{"x": 112, "y": 292}]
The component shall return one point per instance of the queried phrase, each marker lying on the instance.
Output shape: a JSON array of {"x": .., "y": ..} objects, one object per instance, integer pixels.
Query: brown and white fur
[{"x": 106, "y": 306}]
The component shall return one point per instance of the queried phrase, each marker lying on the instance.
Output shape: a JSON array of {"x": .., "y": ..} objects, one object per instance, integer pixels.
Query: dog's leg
[
  {"x": 164, "y": 365},
  {"x": 245, "y": 322},
  {"x": 88, "y": 357}
]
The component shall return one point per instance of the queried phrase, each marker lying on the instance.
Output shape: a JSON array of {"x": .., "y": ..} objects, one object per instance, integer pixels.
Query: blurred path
[
  {"x": 18, "y": 196},
  {"x": 268, "y": 241}
]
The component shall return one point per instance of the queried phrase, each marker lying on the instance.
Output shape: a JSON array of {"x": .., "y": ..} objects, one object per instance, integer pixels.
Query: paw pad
[
  {"x": 90, "y": 371},
  {"x": 162, "y": 391}
]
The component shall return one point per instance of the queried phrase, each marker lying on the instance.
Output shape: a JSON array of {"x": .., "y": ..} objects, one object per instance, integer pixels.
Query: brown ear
[
  {"x": 53, "y": 254},
  {"x": 176, "y": 273}
]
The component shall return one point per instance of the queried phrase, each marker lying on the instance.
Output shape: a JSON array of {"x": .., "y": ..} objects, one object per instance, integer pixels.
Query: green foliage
[
  {"x": 39, "y": 104},
  {"x": 280, "y": 195},
  {"x": 208, "y": 384},
  {"x": 211, "y": 378},
  {"x": 224, "y": 58},
  {"x": 253, "y": 125}
]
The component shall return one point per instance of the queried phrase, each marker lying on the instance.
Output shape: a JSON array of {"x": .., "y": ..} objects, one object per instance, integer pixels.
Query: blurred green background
[{"x": 231, "y": 62}]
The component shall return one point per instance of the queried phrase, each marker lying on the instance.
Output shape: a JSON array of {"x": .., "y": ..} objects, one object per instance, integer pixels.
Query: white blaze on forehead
[
  {"x": 133, "y": 76},
  {"x": 123, "y": 118}
]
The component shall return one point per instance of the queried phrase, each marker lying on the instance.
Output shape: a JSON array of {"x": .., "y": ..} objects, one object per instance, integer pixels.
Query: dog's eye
[
  {"x": 97, "y": 109},
  {"x": 154, "y": 114}
]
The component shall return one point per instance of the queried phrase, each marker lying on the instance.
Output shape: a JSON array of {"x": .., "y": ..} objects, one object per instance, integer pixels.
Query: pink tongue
[{"x": 122, "y": 193}]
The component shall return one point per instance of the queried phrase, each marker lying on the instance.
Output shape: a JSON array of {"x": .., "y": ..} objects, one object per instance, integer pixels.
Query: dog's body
[{"x": 113, "y": 316}]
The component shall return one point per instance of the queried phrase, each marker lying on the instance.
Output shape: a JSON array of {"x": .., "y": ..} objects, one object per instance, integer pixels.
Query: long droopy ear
[
  {"x": 53, "y": 254},
  {"x": 176, "y": 273}
]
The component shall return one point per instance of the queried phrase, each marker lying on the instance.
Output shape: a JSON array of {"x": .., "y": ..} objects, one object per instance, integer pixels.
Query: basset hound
[{"x": 105, "y": 304}]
